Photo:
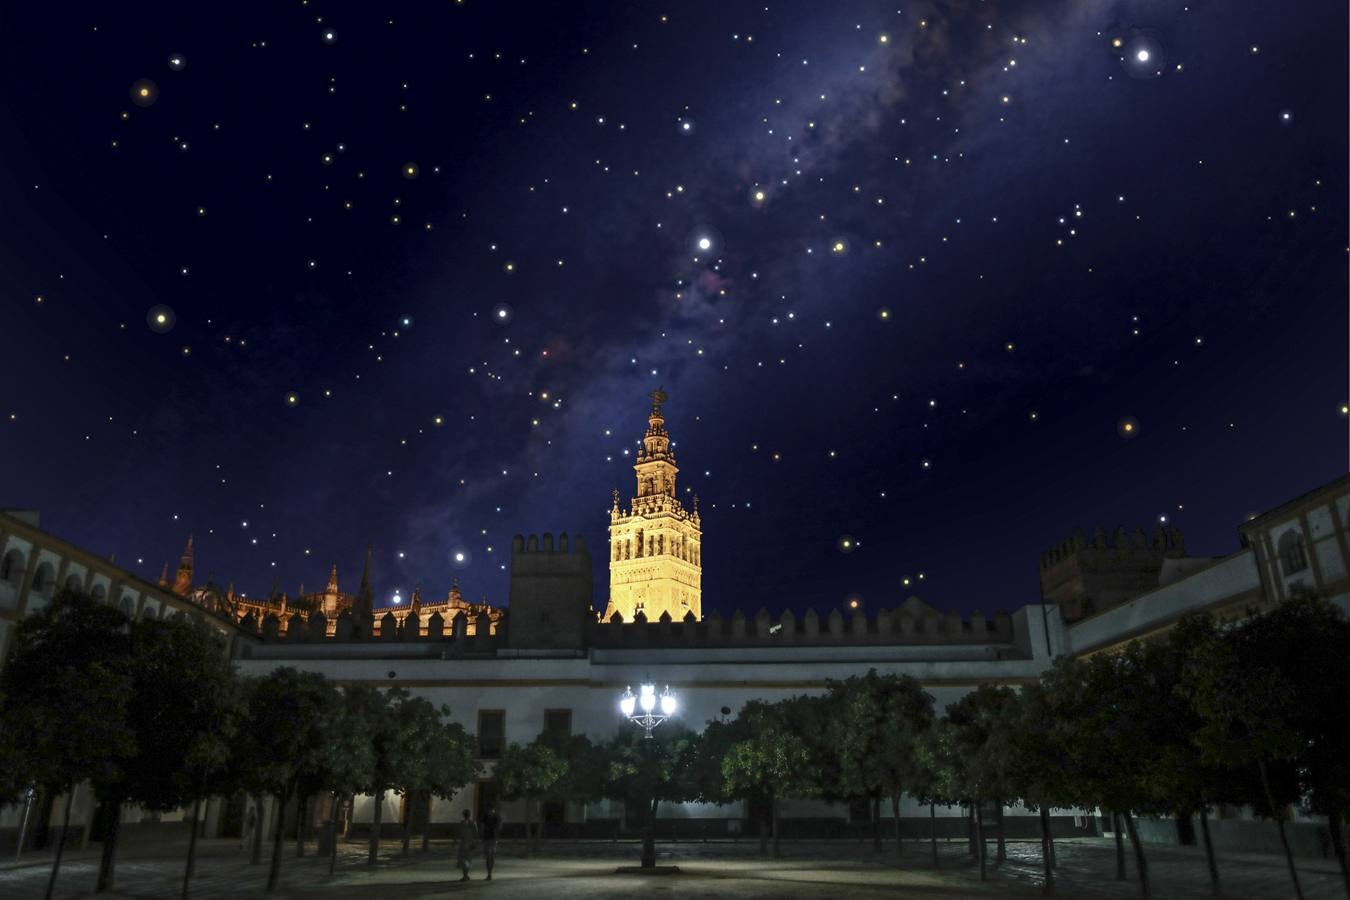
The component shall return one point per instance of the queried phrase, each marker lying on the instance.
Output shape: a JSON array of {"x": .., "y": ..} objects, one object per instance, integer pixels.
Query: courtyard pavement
[{"x": 808, "y": 869}]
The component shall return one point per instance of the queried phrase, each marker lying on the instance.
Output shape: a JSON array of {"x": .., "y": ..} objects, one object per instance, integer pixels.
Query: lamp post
[
  {"x": 647, "y": 700},
  {"x": 646, "y": 710}
]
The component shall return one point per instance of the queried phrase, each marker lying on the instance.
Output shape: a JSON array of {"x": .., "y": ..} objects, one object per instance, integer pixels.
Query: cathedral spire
[
  {"x": 332, "y": 580},
  {"x": 365, "y": 595},
  {"x": 164, "y": 575},
  {"x": 655, "y": 466},
  {"x": 182, "y": 582}
]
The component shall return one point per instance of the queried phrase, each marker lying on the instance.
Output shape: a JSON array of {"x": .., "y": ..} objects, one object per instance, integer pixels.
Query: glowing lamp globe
[
  {"x": 667, "y": 705},
  {"x": 626, "y": 703},
  {"x": 648, "y": 698}
]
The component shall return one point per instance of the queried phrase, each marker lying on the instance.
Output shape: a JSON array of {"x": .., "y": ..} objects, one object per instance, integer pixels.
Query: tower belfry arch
[{"x": 656, "y": 545}]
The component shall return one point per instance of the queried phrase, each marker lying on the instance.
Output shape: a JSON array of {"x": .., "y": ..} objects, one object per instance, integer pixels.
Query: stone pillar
[{"x": 34, "y": 554}]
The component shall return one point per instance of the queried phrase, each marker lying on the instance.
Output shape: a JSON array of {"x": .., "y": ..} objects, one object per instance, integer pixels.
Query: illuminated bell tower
[{"x": 656, "y": 547}]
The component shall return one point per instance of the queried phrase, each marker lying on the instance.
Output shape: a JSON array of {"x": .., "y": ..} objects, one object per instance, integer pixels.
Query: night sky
[{"x": 906, "y": 274}]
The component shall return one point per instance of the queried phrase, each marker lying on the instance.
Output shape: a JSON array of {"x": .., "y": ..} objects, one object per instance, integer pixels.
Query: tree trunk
[
  {"x": 274, "y": 871},
  {"x": 1120, "y": 846},
  {"x": 333, "y": 832},
  {"x": 970, "y": 832},
  {"x": 426, "y": 826},
  {"x": 777, "y": 824},
  {"x": 529, "y": 824},
  {"x": 932, "y": 821},
  {"x": 192, "y": 846},
  {"x": 1047, "y": 843},
  {"x": 1145, "y": 890},
  {"x": 107, "y": 862},
  {"x": 61, "y": 842},
  {"x": 407, "y": 816},
  {"x": 256, "y": 856},
  {"x": 895, "y": 811},
  {"x": 375, "y": 829},
  {"x": 1338, "y": 844},
  {"x": 1279, "y": 820},
  {"x": 1209, "y": 851},
  {"x": 979, "y": 838},
  {"x": 765, "y": 826},
  {"x": 1001, "y": 854},
  {"x": 876, "y": 823},
  {"x": 301, "y": 817}
]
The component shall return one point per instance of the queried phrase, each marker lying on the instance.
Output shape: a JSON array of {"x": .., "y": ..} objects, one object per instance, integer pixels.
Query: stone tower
[
  {"x": 1086, "y": 577},
  {"x": 550, "y": 597},
  {"x": 655, "y": 548}
]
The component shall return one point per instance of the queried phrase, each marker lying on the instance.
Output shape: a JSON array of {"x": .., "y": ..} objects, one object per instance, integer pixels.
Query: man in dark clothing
[
  {"x": 491, "y": 822},
  {"x": 468, "y": 844}
]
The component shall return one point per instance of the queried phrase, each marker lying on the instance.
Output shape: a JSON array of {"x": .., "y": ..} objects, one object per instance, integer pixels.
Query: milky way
[{"x": 928, "y": 286}]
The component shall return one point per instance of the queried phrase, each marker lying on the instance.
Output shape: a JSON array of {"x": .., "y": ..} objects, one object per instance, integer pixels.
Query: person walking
[
  {"x": 468, "y": 842},
  {"x": 491, "y": 822}
]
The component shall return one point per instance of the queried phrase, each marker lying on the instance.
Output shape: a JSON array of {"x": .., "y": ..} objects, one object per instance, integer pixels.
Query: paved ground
[{"x": 840, "y": 869}]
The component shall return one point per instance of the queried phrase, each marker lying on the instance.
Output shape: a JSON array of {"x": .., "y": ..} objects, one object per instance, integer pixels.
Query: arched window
[
  {"x": 99, "y": 593},
  {"x": 73, "y": 583},
  {"x": 1293, "y": 557},
  {"x": 44, "y": 579},
  {"x": 11, "y": 568}
]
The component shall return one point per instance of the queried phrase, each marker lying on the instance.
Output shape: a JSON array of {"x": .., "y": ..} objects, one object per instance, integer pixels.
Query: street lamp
[
  {"x": 653, "y": 711},
  {"x": 647, "y": 700}
]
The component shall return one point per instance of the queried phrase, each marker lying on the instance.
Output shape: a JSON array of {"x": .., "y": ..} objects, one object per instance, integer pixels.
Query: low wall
[{"x": 1307, "y": 839}]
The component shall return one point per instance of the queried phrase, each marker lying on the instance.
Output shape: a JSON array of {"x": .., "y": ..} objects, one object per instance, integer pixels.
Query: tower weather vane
[{"x": 658, "y": 396}]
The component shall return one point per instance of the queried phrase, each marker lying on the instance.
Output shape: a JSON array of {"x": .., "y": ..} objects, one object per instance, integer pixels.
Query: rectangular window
[
  {"x": 558, "y": 721},
  {"x": 491, "y": 733}
]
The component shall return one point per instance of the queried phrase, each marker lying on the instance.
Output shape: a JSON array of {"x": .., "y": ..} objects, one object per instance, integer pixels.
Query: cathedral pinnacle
[
  {"x": 182, "y": 582},
  {"x": 365, "y": 595}
]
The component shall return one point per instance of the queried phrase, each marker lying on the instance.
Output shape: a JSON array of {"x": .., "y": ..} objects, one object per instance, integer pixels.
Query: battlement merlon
[
  {"x": 888, "y": 627},
  {"x": 1165, "y": 541},
  {"x": 543, "y": 545}
]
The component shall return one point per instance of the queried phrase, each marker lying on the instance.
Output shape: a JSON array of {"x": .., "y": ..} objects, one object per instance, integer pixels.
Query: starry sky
[{"x": 928, "y": 284}]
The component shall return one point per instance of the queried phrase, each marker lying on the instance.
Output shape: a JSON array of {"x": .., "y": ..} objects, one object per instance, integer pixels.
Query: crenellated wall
[
  {"x": 887, "y": 627},
  {"x": 473, "y": 634}
]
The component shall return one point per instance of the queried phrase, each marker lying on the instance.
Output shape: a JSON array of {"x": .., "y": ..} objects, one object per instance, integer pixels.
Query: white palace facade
[{"x": 549, "y": 658}]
